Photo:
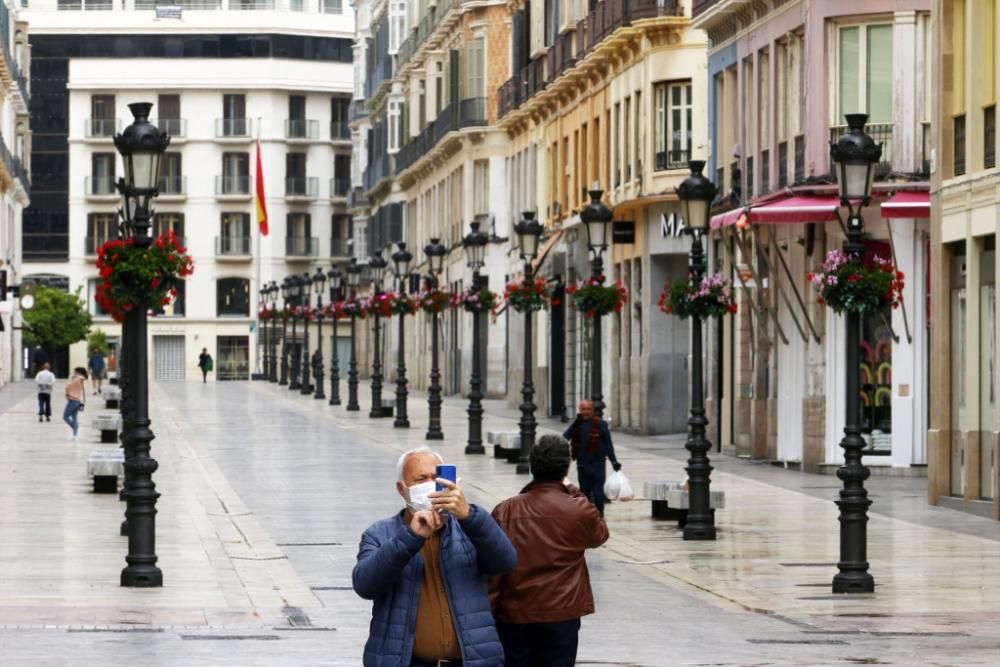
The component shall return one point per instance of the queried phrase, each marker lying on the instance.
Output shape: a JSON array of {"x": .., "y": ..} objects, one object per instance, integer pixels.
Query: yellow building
[{"x": 964, "y": 416}]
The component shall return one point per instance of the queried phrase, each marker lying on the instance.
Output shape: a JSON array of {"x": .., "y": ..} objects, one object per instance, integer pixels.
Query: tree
[
  {"x": 97, "y": 341},
  {"x": 58, "y": 319}
]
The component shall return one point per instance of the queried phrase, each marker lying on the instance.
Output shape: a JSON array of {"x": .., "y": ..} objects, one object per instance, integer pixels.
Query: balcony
[
  {"x": 232, "y": 247},
  {"x": 522, "y": 86},
  {"x": 339, "y": 187},
  {"x": 882, "y": 134},
  {"x": 175, "y": 127},
  {"x": 233, "y": 128},
  {"x": 699, "y": 7},
  {"x": 184, "y": 4},
  {"x": 356, "y": 198},
  {"x": 92, "y": 243},
  {"x": 100, "y": 128},
  {"x": 470, "y": 112},
  {"x": 379, "y": 74},
  {"x": 301, "y": 187},
  {"x": 381, "y": 168},
  {"x": 301, "y": 246},
  {"x": 672, "y": 159},
  {"x": 14, "y": 166},
  {"x": 356, "y": 111},
  {"x": 232, "y": 187},
  {"x": 340, "y": 247},
  {"x": 173, "y": 187},
  {"x": 340, "y": 131},
  {"x": 100, "y": 187},
  {"x": 423, "y": 30},
  {"x": 301, "y": 129}
]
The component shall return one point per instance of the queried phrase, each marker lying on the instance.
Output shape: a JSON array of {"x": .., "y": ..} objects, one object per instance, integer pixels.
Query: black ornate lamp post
[
  {"x": 319, "y": 286},
  {"x": 377, "y": 264},
  {"x": 401, "y": 267},
  {"x": 306, "y": 383},
  {"x": 854, "y": 157},
  {"x": 528, "y": 231},
  {"x": 295, "y": 292},
  {"x": 272, "y": 368},
  {"x": 286, "y": 300},
  {"x": 475, "y": 247},
  {"x": 353, "y": 279},
  {"x": 141, "y": 146},
  {"x": 335, "y": 278},
  {"x": 596, "y": 218},
  {"x": 262, "y": 332},
  {"x": 435, "y": 252},
  {"x": 696, "y": 194}
]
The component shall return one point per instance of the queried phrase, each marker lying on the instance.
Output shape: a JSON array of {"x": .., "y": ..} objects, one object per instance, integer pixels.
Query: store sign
[
  {"x": 623, "y": 232},
  {"x": 671, "y": 226}
]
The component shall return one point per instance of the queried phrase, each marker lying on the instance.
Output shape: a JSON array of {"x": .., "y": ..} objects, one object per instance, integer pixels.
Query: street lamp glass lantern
[
  {"x": 401, "y": 260},
  {"x": 335, "y": 277},
  {"x": 528, "y": 231},
  {"x": 354, "y": 273},
  {"x": 596, "y": 217},
  {"x": 475, "y": 247},
  {"x": 696, "y": 194},
  {"x": 377, "y": 264},
  {"x": 854, "y": 157},
  {"x": 141, "y": 146},
  {"x": 319, "y": 282},
  {"x": 435, "y": 252},
  {"x": 286, "y": 288}
]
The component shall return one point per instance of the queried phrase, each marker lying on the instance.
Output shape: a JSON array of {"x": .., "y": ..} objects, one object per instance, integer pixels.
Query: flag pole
[{"x": 257, "y": 260}]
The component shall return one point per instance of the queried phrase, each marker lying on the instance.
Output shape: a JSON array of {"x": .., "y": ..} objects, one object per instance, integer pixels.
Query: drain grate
[
  {"x": 296, "y": 617},
  {"x": 230, "y": 637},
  {"x": 823, "y": 642}
]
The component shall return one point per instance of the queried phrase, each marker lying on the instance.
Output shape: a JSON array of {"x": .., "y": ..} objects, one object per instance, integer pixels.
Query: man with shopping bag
[{"x": 591, "y": 447}]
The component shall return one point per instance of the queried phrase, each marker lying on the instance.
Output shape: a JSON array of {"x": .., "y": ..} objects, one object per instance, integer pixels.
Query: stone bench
[
  {"x": 111, "y": 395},
  {"x": 113, "y": 378},
  {"x": 106, "y": 466},
  {"x": 506, "y": 444},
  {"x": 671, "y": 500},
  {"x": 108, "y": 425},
  {"x": 388, "y": 409}
]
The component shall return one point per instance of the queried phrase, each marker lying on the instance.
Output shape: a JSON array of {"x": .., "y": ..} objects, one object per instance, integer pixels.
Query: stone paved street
[{"x": 266, "y": 491}]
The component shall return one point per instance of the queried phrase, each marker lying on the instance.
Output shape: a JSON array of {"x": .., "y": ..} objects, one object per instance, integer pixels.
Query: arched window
[{"x": 232, "y": 297}]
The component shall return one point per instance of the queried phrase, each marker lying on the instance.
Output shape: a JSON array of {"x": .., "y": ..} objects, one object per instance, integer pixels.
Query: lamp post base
[
  {"x": 401, "y": 423},
  {"x": 475, "y": 449},
  {"x": 698, "y": 531},
  {"x": 434, "y": 435},
  {"x": 853, "y": 582},
  {"x": 142, "y": 576}
]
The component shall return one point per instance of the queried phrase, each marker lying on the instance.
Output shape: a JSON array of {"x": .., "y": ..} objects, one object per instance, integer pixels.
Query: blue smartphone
[{"x": 445, "y": 471}]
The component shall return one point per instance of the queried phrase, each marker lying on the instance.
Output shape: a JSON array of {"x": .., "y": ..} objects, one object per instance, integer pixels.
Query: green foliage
[
  {"x": 97, "y": 341},
  {"x": 57, "y": 320}
]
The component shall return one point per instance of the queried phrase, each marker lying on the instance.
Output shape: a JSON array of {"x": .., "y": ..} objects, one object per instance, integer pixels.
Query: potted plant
[
  {"x": 595, "y": 299},
  {"x": 435, "y": 300},
  {"x": 403, "y": 304},
  {"x": 527, "y": 296},
  {"x": 847, "y": 284},
  {"x": 711, "y": 296},
  {"x": 478, "y": 300},
  {"x": 379, "y": 304}
]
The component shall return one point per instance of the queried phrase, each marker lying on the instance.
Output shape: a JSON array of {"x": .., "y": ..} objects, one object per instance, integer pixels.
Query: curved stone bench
[
  {"x": 109, "y": 425},
  {"x": 106, "y": 466},
  {"x": 671, "y": 500},
  {"x": 111, "y": 395}
]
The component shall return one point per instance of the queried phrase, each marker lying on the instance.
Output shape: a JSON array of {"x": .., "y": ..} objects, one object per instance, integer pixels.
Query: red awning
[
  {"x": 795, "y": 208},
  {"x": 907, "y": 204}
]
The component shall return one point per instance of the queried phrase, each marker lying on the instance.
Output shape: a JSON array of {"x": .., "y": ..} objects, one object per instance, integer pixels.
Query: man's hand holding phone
[{"x": 450, "y": 499}]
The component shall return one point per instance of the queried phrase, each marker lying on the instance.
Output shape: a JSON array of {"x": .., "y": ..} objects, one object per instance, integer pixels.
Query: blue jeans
[
  {"x": 539, "y": 644},
  {"x": 69, "y": 415},
  {"x": 592, "y": 477}
]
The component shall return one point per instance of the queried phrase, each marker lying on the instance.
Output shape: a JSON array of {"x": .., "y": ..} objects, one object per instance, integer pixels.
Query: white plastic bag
[{"x": 616, "y": 487}]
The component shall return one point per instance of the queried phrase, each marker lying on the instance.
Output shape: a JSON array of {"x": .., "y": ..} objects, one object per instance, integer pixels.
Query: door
[
  {"x": 791, "y": 360},
  {"x": 957, "y": 366},
  {"x": 987, "y": 372},
  {"x": 168, "y": 358},
  {"x": 233, "y": 358}
]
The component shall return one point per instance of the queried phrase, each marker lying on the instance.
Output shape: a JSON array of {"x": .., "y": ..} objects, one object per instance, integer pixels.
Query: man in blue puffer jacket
[{"x": 425, "y": 569}]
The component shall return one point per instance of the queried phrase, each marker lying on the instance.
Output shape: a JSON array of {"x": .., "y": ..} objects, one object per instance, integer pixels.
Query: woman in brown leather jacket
[{"x": 538, "y": 604}]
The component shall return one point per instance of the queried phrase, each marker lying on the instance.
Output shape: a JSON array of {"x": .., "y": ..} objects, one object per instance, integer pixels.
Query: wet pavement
[{"x": 266, "y": 492}]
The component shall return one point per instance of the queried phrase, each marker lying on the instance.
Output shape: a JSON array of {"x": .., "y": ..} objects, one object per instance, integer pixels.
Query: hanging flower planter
[
  {"x": 145, "y": 278},
  {"x": 848, "y": 286},
  {"x": 435, "y": 300},
  {"x": 379, "y": 304},
  {"x": 712, "y": 296},
  {"x": 402, "y": 304},
  {"x": 527, "y": 297},
  {"x": 479, "y": 300},
  {"x": 350, "y": 306},
  {"x": 595, "y": 299}
]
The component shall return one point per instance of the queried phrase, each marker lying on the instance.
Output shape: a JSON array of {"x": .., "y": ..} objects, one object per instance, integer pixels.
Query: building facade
[
  {"x": 963, "y": 436},
  {"x": 611, "y": 93},
  {"x": 782, "y": 75},
  {"x": 15, "y": 186},
  {"x": 225, "y": 76}
]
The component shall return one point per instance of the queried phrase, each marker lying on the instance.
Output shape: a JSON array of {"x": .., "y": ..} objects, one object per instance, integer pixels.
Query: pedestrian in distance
[
  {"x": 96, "y": 367},
  {"x": 76, "y": 389},
  {"x": 538, "y": 604},
  {"x": 205, "y": 364},
  {"x": 45, "y": 380},
  {"x": 425, "y": 570},
  {"x": 591, "y": 447}
]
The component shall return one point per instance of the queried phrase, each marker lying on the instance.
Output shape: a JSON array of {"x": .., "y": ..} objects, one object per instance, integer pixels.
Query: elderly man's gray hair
[{"x": 413, "y": 452}]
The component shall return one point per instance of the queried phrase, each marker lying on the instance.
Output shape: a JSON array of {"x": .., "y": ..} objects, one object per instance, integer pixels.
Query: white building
[
  {"x": 14, "y": 184},
  {"x": 219, "y": 78}
]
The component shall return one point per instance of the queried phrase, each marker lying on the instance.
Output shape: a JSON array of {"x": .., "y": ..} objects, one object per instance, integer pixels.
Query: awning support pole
[
  {"x": 749, "y": 292},
  {"x": 760, "y": 286},
  {"x": 902, "y": 302},
  {"x": 798, "y": 296}
]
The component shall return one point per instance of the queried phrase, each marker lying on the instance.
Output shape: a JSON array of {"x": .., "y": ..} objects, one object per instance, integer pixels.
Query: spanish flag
[{"x": 261, "y": 204}]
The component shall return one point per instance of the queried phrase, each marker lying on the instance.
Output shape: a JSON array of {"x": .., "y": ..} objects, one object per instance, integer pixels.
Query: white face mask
[{"x": 419, "y": 496}]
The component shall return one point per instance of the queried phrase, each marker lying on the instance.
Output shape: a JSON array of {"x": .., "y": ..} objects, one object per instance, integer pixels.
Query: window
[
  {"x": 626, "y": 138},
  {"x": 102, "y": 116},
  {"x": 617, "y": 144},
  {"x": 865, "y": 72},
  {"x": 233, "y": 354},
  {"x": 234, "y": 234},
  {"x": 235, "y": 173},
  {"x": 673, "y": 124},
  {"x": 764, "y": 98},
  {"x": 101, "y": 228},
  {"x": 481, "y": 187},
  {"x": 422, "y": 104},
  {"x": 295, "y": 174},
  {"x": 298, "y": 235},
  {"x": 297, "y": 116},
  {"x": 339, "y": 128},
  {"x": 176, "y": 306},
  {"x": 394, "y": 113},
  {"x": 171, "y": 178},
  {"x": 173, "y": 222},
  {"x": 397, "y": 24},
  {"x": 341, "y": 228},
  {"x": 638, "y": 133},
  {"x": 234, "y": 116},
  {"x": 168, "y": 112},
  {"x": 332, "y": 6},
  {"x": 102, "y": 174},
  {"x": 232, "y": 297},
  {"x": 475, "y": 83}
]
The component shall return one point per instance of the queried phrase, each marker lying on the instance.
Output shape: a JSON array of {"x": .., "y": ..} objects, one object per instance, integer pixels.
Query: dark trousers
[
  {"x": 539, "y": 644},
  {"x": 591, "y": 478},
  {"x": 45, "y": 405}
]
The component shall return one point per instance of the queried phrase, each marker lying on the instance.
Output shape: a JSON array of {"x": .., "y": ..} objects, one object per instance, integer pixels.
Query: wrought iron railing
[
  {"x": 232, "y": 127},
  {"x": 301, "y": 186},
  {"x": 301, "y": 246},
  {"x": 232, "y": 245},
  {"x": 882, "y": 134},
  {"x": 232, "y": 185},
  {"x": 469, "y": 112},
  {"x": 301, "y": 128},
  {"x": 672, "y": 159},
  {"x": 340, "y": 247},
  {"x": 339, "y": 187}
]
